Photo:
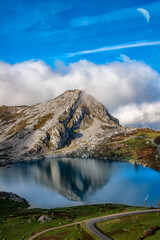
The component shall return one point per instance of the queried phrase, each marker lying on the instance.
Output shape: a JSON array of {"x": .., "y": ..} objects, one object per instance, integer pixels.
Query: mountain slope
[{"x": 74, "y": 122}]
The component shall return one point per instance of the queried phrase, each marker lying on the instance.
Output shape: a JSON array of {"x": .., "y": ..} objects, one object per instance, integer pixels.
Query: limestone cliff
[{"x": 72, "y": 123}]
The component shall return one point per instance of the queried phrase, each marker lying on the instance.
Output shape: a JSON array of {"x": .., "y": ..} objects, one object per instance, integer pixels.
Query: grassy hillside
[
  {"x": 136, "y": 227},
  {"x": 137, "y": 148}
]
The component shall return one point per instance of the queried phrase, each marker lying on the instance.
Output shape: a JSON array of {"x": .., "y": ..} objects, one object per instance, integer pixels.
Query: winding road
[{"x": 90, "y": 223}]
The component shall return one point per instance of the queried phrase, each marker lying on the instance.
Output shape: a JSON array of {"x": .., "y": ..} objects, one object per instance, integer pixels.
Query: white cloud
[
  {"x": 143, "y": 113},
  {"x": 129, "y": 89}
]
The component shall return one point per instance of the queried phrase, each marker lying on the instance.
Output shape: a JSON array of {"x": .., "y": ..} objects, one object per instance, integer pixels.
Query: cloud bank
[
  {"x": 143, "y": 113},
  {"x": 129, "y": 89}
]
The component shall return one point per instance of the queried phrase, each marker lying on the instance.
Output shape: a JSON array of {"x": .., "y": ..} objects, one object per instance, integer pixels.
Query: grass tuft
[{"x": 42, "y": 121}]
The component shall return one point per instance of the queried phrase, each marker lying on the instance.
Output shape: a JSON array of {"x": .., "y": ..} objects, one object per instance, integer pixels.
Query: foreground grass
[
  {"x": 19, "y": 223},
  {"x": 76, "y": 232},
  {"x": 136, "y": 227}
]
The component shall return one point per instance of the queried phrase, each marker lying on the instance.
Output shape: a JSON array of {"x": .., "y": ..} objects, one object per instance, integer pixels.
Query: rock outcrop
[
  {"x": 72, "y": 123},
  {"x": 44, "y": 219},
  {"x": 12, "y": 197}
]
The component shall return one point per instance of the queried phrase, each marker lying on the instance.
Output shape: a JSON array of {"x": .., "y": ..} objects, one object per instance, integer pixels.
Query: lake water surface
[{"x": 52, "y": 183}]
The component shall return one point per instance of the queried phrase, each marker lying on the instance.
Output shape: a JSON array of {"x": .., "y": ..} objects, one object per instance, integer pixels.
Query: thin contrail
[{"x": 115, "y": 47}]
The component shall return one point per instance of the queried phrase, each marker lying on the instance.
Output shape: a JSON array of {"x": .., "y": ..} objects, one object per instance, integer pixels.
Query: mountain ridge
[{"x": 50, "y": 124}]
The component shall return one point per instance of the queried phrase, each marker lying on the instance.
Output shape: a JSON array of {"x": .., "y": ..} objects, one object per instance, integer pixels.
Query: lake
[{"x": 53, "y": 183}]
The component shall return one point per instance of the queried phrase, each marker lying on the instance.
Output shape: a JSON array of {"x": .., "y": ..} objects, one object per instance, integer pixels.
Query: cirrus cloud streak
[{"x": 115, "y": 47}]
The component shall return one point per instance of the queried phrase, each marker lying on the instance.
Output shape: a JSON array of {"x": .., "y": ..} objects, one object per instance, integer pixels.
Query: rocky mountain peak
[{"x": 44, "y": 128}]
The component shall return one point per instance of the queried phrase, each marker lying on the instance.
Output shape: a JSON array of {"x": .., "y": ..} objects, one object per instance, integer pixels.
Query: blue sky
[
  {"x": 107, "y": 48},
  {"x": 51, "y": 29}
]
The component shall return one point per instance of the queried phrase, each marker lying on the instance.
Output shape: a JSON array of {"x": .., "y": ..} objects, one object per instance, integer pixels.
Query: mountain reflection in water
[
  {"x": 76, "y": 179},
  {"x": 51, "y": 183}
]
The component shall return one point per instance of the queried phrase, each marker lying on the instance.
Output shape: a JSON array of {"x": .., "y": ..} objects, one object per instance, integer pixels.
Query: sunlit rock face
[
  {"x": 72, "y": 118},
  {"x": 75, "y": 179}
]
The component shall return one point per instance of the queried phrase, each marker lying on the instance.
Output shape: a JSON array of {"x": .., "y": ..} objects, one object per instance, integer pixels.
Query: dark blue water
[{"x": 52, "y": 183}]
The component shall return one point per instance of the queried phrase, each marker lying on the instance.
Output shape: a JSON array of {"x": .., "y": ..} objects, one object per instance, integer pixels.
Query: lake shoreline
[{"x": 6, "y": 163}]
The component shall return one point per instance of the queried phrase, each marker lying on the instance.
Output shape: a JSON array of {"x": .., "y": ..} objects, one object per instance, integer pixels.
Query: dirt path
[
  {"x": 121, "y": 141},
  {"x": 90, "y": 223}
]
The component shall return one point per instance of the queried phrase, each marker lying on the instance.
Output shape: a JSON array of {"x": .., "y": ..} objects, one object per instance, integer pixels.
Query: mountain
[
  {"x": 46, "y": 127},
  {"x": 73, "y": 124}
]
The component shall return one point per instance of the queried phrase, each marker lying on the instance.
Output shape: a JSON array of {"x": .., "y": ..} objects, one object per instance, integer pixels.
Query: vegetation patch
[
  {"x": 104, "y": 127},
  {"x": 42, "y": 121},
  {"x": 7, "y": 115},
  {"x": 70, "y": 124},
  {"x": 135, "y": 227},
  {"x": 76, "y": 232},
  {"x": 84, "y": 127},
  {"x": 18, "y": 127},
  {"x": 136, "y": 148},
  {"x": 64, "y": 117},
  {"x": 148, "y": 133},
  {"x": 157, "y": 140}
]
